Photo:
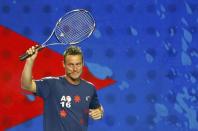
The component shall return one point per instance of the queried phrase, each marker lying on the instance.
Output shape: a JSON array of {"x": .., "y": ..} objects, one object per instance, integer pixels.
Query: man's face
[{"x": 73, "y": 66}]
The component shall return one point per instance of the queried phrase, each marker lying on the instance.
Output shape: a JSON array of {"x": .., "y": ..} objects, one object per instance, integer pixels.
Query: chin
[{"x": 75, "y": 77}]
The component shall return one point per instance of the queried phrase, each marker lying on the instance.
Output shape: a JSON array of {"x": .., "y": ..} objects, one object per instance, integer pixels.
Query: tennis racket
[{"x": 72, "y": 28}]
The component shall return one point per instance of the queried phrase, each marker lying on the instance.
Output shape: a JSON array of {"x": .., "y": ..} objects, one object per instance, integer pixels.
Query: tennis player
[{"x": 68, "y": 100}]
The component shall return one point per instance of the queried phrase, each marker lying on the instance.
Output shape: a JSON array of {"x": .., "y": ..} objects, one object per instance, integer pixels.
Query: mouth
[{"x": 75, "y": 73}]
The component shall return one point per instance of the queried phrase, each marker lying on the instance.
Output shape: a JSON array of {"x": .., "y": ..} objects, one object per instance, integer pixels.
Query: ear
[{"x": 63, "y": 64}]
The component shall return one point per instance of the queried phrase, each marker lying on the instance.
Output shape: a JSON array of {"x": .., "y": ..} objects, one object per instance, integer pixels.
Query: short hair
[{"x": 73, "y": 50}]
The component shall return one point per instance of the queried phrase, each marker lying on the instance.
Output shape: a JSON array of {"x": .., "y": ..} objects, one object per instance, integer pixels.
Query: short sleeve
[
  {"x": 94, "y": 101},
  {"x": 42, "y": 88}
]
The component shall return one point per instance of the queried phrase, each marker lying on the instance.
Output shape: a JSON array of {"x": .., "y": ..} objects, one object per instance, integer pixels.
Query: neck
[{"x": 72, "y": 81}]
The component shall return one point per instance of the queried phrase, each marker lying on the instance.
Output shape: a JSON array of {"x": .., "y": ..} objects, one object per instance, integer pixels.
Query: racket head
[{"x": 75, "y": 26}]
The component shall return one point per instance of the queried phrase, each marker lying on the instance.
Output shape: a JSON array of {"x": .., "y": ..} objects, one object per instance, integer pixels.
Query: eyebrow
[{"x": 75, "y": 63}]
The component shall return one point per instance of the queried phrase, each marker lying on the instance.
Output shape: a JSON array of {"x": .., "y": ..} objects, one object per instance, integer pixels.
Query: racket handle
[{"x": 26, "y": 55}]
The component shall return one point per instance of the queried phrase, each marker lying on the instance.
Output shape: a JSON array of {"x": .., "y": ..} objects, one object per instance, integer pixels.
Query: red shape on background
[{"x": 15, "y": 107}]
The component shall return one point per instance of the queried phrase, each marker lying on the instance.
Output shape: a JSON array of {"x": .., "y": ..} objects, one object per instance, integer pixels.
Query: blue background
[{"x": 148, "y": 46}]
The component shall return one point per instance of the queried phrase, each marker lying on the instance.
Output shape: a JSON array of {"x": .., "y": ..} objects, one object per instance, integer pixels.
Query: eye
[
  {"x": 70, "y": 65},
  {"x": 78, "y": 64}
]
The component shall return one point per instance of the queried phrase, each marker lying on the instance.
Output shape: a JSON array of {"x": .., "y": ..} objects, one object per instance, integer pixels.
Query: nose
[{"x": 75, "y": 67}]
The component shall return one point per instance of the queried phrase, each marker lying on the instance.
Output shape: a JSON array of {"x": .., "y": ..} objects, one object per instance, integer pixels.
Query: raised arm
[{"x": 27, "y": 82}]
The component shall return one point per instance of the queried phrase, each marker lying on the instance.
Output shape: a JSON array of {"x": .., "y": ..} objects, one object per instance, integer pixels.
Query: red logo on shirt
[
  {"x": 63, "y": 113},
  {"x": 82, "y": 122},
  {"x": 77, "y": 99}
]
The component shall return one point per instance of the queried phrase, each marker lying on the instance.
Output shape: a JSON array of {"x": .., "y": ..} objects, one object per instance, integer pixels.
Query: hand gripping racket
[{"x": 74, "y": 27}]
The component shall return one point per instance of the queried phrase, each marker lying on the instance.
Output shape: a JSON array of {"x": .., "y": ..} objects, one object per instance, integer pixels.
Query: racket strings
[
  {"x": 76, "y": 30},
  {"x": 75, "y": 37},
  {"x": 72, "y": 37},
  {"x": 80, "y": 16},
  {"x": 75, "y": 27}
]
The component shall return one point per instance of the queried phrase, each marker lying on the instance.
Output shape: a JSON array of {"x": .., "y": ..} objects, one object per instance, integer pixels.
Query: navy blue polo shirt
[{"x": 66, "y": 106}]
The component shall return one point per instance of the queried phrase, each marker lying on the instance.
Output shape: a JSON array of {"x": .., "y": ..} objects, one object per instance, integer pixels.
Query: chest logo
[{"x": 66, "y": 101}]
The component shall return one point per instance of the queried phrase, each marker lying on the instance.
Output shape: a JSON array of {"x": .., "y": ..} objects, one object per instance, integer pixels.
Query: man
[{"x": 68, "y": 100}]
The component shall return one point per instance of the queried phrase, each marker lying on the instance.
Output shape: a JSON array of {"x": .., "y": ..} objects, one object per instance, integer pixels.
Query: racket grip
[{"x": 26, "y": 55}]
